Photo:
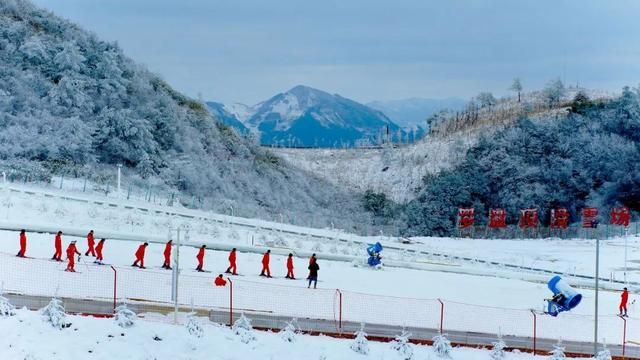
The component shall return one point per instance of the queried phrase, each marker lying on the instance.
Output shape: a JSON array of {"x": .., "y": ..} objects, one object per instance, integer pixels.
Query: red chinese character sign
[
  {"x": 528, "y": 218},
  {"x": 559, "y": 218},
  {"x": 590, "y": 218},
  {"x": 620, "y": 216},
  {"x": 466, "y": 218},
  {"x": 497, "y": 219}
]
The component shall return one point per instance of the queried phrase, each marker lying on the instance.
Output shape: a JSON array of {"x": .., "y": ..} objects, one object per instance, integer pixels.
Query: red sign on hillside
[
  {"x": 589, "y": 217},
  {"x": 620, "y": 216},
  {"x": 528, "y": 218},
  {"x": 559, "y": 218},
  {"x": 497, "y": 219},
  {"x": 466, "y": 218}
]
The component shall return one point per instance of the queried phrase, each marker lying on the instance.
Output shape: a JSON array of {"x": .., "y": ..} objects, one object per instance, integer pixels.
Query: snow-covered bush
[
  {"x": 497, "y": 351},
  {"x": 54, "y": 314},
  {"x": 402, "y": 346},
  {"x": 442, "y": 346},
  {"x": 124, "y": 316},
  {"x": 360, "y": 344},
  {"x": 193, "y": 326},
  {"x": 6, "y": 308},
  {"x": 558, "y": 352},
  {"x": 242, "y": 328},
  {"x": 603, "y": 354},
  {"x": 289, "y": 332}
]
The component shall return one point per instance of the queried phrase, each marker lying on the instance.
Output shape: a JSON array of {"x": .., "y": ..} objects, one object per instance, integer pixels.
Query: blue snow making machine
[
  {"x": 374, "y": 254},
  {"x": 565, "y": 297}
]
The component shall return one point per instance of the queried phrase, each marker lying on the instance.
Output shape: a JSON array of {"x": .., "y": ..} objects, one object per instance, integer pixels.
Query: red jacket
[
  {"x": 290, "y": 263},
  {"x": 265, "y": 259},
  {"x": 232, "y": 257},
  {"x": 167, "y": 250},
  {"x": 140, "y": 252},
  {"x": 71, "y": 251},
  {"x": 220, "y": 281},
  {"x": 200, "y": 255},
  {"x": 90, "y": 239},
  {"x": 23, "y": 240},
  {"x": 99, "y": 246},
  {"x": 624, "y": 297},
  {"x": 58, "y": 242}
]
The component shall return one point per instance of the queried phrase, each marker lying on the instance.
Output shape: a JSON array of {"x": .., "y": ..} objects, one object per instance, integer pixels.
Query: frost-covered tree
[
  {"x": 558, "y": 352},
  {"x": 243, "y": 329},
  {"x": 442, "y": 346},
  {"x": 402, "y": 346},
  {"x": 124, "y": 316},
  {"x": 553, "y": 92},
  {"x": 486, "y": 99},
  {"x": 497, "y": 350},
  {"x": 360, "y": 344},
  {"x": 193, "y": 326},
  {"x": 516, "y": 86},
  {"x": 6, "y": 307},
  {"x": 289, "y": 332},
  {"x": 603, "y": 354},
  {"x": 54, "y": 314}
]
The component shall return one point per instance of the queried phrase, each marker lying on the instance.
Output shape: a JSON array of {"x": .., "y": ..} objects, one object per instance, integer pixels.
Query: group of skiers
[{"x": 96, "y": 251}]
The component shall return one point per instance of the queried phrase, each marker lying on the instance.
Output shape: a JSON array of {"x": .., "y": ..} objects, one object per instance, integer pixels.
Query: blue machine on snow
[
  {"x": 374, "y": 254},
  {"x": 564, "y": 297}
]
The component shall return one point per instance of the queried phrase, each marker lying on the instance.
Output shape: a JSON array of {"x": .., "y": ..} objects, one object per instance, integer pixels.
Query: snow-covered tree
[
  {"x": 497, "y": 350},
  {"x": 289, "y": 332},
  {"x": 442, "y": 346},
  {"x": 242, "y": 328},
  {"x": 360, "y": 344},
  {"x": 6, "y": 308},
  {"x": 124, "y": 316},
  {"x": 603, "y": 354},
  {"x": 558, "y": 352},
  {"x": 516, "y": 86},
  {"x": 402, "y": 346},
  {"x": 553, "y": 92},
  {"x": 54, "y": 314},
  {"x": 193, "y": 325},
  {"x": 486, "y": 99}
]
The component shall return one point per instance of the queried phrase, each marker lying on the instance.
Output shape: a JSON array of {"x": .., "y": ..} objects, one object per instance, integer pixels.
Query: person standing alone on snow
[
  {"x": 57, "y": 256},
  {"x": 624, "y": 297},
  {"x": 313, "y": 273},
  {"x": 290, "y": 267},
  {"x": 23, "y": 244},
  {"x": 232, "y": 262},
  {"x": 140, "y": 255},
  {"x": 219, "y": 281},
  {"x": 91, "y": 243},
  {"x": 200, "y": 258},
  {"x": 71, "y": 255},
  {"x": 99, "y": 251},
  {"x": 265, "y": 264},
  {"x": 167, "y": 255}
]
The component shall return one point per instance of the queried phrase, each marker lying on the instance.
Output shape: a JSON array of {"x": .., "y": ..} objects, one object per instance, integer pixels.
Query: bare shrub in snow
[
  {"x": 242, "y": 328},
  {"x": 124, "y": 316},
  {"x": 54, "y": 314},
  {"x": 360, "y": 344}
]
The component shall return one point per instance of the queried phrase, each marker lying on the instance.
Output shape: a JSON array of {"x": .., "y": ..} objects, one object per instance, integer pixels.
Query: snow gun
[
  {"x": 564, "y": 298},
  {"x": 374, "y": 254}
]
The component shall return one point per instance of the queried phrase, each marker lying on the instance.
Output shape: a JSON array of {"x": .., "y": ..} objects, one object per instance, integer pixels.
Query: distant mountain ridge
[
  {"x": 308, "y": 117},
  {"x": 412, "y": 112}
]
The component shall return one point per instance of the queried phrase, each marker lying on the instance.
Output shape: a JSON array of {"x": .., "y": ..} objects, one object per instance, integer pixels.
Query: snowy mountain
[
  {"x": 229, "y": 116},
  {"x": 304, "y": 116},
  {"x": 75, "y": 106},
  {"x": 412, "y": 112}
]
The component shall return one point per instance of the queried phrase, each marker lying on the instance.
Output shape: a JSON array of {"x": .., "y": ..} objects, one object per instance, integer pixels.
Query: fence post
[
  {"x": 115, "y": 287},
  {"x": 339, "y": 310},
  {"x": 441, "y": 316},
  {"x": 230, "y": 302},
  {"x": 535, "y": 329},
  {"x": 624, "y": 335}
]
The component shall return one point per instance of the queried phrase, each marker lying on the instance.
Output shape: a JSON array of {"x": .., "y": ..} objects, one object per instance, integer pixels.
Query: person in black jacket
[{"x": 313, "y": 273}]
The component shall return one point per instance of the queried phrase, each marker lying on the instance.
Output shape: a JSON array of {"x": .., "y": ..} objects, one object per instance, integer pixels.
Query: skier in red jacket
[
  {"x": 57, "y": 256},
  {"x": 140, "y": 255},
  {"x": 91, "y": 243},
  {"x": 624, "y": 297},
  {"x": 23, "y": 244},
  {"x": 167, "y": 255},
  {"x": 265, "y": 264},
  {"x": 99, "y": 251},
  {"x": 219, "y": 281},
  {"x": 200, "y": 258},
  {"x": 232, "y": 262},
  {"x": 71, "y": 254},
  {"x": 290, "y": 267}
]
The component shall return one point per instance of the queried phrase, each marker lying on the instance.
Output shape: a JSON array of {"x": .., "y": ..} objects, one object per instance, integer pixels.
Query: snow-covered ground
[{"x": 27, "y": 336}]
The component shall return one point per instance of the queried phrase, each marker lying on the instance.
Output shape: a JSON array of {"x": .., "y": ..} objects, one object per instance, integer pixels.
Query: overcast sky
[{"x": 249, "y": 50}]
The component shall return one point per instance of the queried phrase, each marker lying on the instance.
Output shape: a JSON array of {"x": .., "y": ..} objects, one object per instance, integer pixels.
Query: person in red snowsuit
[
  {"x": 140, "y": 255},
  {"x": 57, "y": 256},
  {"x": 265, "y": 264},
  {"x": 91, "y": 243},
  {"x": 232, "y": 262},
  {"x": 99, "y": 251},
  {"x": 219, "y": 281},
  {"x": 624, "y": 297},
  {"x": 71, "y": 255},
  {"x": 167, "y": 255},
  {"x": 200, "y": 258},
  {"x": 290, "y": 267},
  {"x": 23, "y": 244}
]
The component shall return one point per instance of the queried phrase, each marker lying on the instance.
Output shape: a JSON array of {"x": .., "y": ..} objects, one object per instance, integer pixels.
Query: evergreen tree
[
  {"x": 360, "y": 344},
  {"x": 402, "y": 346},
  {"x": 6, "y": 308},
  {"x": 442, "y": 346},
  {"x": 243, "y": 329},
  {"x": 55, "y": 315},
  {"x": 125, "y": 317}
]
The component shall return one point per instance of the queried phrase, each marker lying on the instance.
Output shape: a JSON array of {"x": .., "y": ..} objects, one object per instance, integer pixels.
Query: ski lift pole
[{"x": 174, "y": 282}]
